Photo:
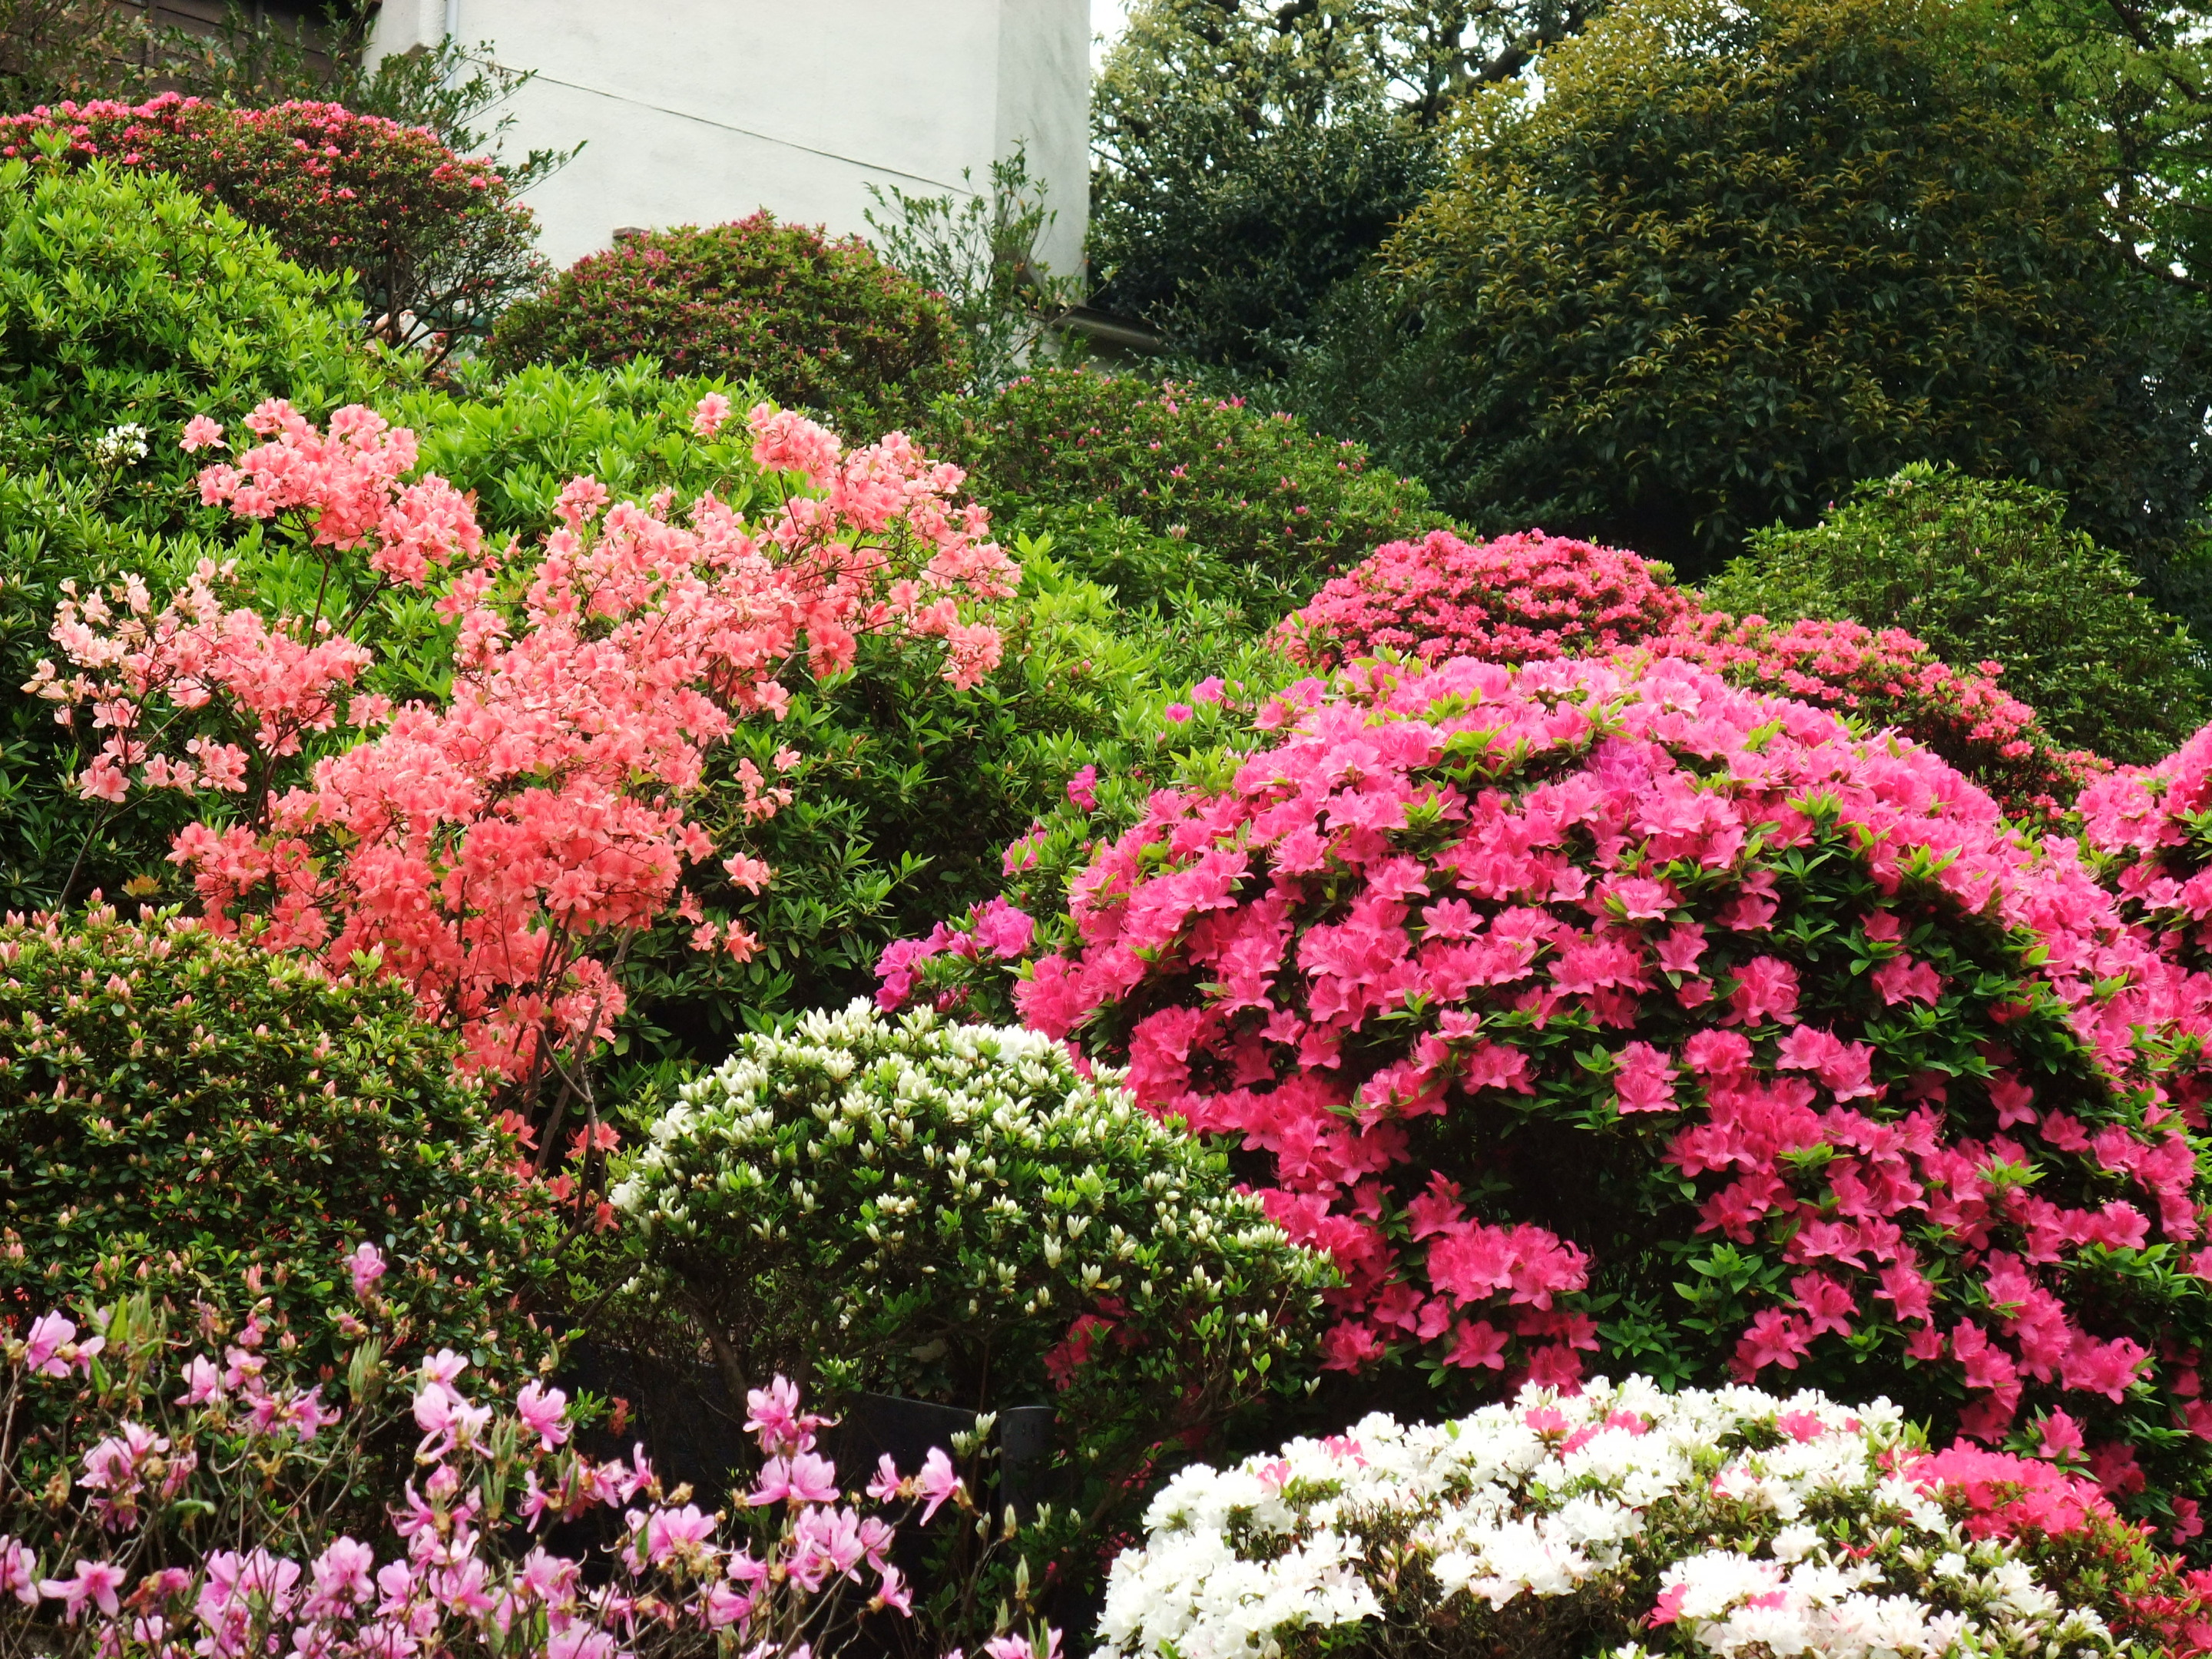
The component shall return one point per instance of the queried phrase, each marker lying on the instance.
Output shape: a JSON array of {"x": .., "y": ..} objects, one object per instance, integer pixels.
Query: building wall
[{"x": 700, "y": 110}]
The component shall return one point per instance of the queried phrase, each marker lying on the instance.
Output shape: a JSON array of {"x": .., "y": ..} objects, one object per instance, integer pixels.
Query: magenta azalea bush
[
  {"x": 1606, "y": 1015},
  {"x": 2152, "y": 827},
  {"x": 210, "y": 1504},
  {"x": 1518, "y": 598}
]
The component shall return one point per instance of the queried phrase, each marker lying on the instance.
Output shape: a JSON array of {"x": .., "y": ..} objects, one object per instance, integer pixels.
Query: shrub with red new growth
[
  {"x": 2151, "y": 827},
  {"x": 2081, "y": 1550},
  {"x": 1890, "y": 680},
  {"x": 1519, "y": 598},
  {"x": 434, "y": 239},
  {"x": 1602, "y": 1014},
  {"x": 817, "y": 323}
]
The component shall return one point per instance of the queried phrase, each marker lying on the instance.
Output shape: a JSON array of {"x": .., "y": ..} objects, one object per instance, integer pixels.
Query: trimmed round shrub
[
  {"x": 1252, "y": 490},
  {"x": 1517, "y": 599},
  {"x": 818, "y": 323},
  {"x": 188, "y": 1116},
  {"x": 1630, "y": 1520},
  {"x": 1593, "y": 1015},
  {"x": 1891, "y": 681},
  {"x": 953, "y": 1214},
  {"x": 435, "y": 241},
  {"x": 1983, "y": 572}
]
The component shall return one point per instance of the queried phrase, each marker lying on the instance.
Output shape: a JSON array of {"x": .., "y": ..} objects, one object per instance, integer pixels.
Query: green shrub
[
  {"x": 1253, "y": 492},
  {"x": 821, "y": 324},
  {"x": 953, "y": 1214},
  {"x": 1987, "y": 572},
  {"x": 1736, "y": 256},
  {"x": 189, "y": 1116}
]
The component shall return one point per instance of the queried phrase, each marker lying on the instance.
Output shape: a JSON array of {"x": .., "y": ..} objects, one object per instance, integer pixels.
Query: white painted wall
[{"x": 696, "y": 112}]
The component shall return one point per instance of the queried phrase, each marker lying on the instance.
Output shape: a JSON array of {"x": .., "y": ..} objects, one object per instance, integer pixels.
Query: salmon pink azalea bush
[
  {"x": 211, "y": 1504},
  {"x": 1605, "y": 1013},
  {"x": 1629, "y": 1521},
  {"x": 484, "y": 844}
]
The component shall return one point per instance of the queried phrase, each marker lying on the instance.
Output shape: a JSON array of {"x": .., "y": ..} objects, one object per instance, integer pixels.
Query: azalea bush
[
  {"x": 1255, "y": 492},
  {"x": 1630, "y": 1521},
  {"x": 1515, "y": 599},
  {"x": 435, "y": 242},
  {"x": 524, "y": 808},
  {"x": 184, "y": 1116},
  {"x": 226, "y": 1515},
  {"x": 950, "y": 1213},
  {"x": 1597, "y": 1014},
  {"x": 1982, "y": 570},
  {"x": 818, "y": 323},
  {"x": 2150, "y": 831}
]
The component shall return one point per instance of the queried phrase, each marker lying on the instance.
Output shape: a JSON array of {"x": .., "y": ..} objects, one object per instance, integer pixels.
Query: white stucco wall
[{"x": 700, "y": 110}]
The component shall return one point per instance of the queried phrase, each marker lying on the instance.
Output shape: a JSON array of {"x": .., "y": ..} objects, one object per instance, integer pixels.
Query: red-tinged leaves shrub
[
  {"x": 1594, "y": 1016},
  {"x": 435, "y": 240},
  {"x": 1254, "y": 491},
  {"x": 818, "y": 323},
  {"x": 192, "y": 1117},
  {"x": 1890, "y": 680},
  {"x": 1519, "y": 598}
]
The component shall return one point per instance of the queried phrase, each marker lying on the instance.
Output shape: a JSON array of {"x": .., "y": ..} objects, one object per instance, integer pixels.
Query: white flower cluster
[
  {"x": 120, "y": 445},
  {"x": 1770, "y": 1524}
]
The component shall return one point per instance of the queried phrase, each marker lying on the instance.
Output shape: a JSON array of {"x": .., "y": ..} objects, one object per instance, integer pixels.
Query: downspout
[{"x": 453, "y": 19}]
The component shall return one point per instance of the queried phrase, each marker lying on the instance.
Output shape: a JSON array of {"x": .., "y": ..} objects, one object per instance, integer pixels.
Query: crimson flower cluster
[
  {"x": 1604, "y": 1013},
  {"x": 481, "y": 846},
  {"x": 436, "y": 239}
]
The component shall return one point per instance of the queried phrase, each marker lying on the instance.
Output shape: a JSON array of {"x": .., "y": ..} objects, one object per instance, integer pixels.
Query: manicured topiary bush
[
  {"x": 1592, "y": 1017},
  {"x": 190, "y": 1117},
  {"x": 1628, "y": 1521},
  {"x": 1980, "y": 571},
  {"x": 1517, "y": 599},
  {"x": 1253, "y": 490},
  {"x": 436, "y": 241},
  {"x": 953, "y": 1214},
  {"x": 818, "y": 323}
]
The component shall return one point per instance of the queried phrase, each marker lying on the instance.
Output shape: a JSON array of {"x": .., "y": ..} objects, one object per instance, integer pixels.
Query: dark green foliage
[
  {"x": 192, "y": 1117},
  {"x": 1987, "y": 572},
  {"x": 1736, "y": 258},
  {"x": 820, "y": 324},
  {"x": 1254, "y": 496}
]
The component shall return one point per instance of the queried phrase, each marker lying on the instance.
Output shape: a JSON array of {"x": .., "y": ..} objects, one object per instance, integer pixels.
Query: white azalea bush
[
  {"x": 953, "y": 1213},
  {"x": 1627, "y": 1521}
]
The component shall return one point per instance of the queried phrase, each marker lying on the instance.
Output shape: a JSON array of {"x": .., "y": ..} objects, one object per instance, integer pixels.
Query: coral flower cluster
[{"x": 484, "y": 842}]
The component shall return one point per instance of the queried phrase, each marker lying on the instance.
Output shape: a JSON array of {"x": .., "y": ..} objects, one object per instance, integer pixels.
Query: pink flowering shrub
[
  {"x": 1518, "y": 598},
  {"x": 1890, "y": 680},
  {"x": 215, "y": 1504},
  {"x": 436, "y": 241},
  {"x": 487, "y": 845},
  {"x": 2151, "y": 827},
  {"x": 1606, "y": 1015}
]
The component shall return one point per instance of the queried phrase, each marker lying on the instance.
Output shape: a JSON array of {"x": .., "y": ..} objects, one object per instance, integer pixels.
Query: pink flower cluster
[
  {"x": 1528, "y": 597},
  {"x": 483, "y": 846},
  {"x": 467, "y": 1568},
  {"x": 2150, "y": 826},
  {"x": 1807, "y": 992},
  {"x": 1519, "y": 598}
]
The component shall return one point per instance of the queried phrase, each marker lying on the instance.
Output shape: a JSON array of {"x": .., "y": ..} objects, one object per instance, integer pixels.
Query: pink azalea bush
[
  {"x": 1890, "y": 680},
  {"x": 1528, "y": 597},
  {"x": 490, "y": 846},
  {"x": 211, "y": 1502},
  {"x": 2152, "y": 827},
  {"x": 1605, "y": 1014},
  {"x": 1518, "y": 598}
]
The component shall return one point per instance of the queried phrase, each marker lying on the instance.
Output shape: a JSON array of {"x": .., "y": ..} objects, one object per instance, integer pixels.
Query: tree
[
  {"x": 1252, "y": 155},
  {"x": 1738, "y": 257}
]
